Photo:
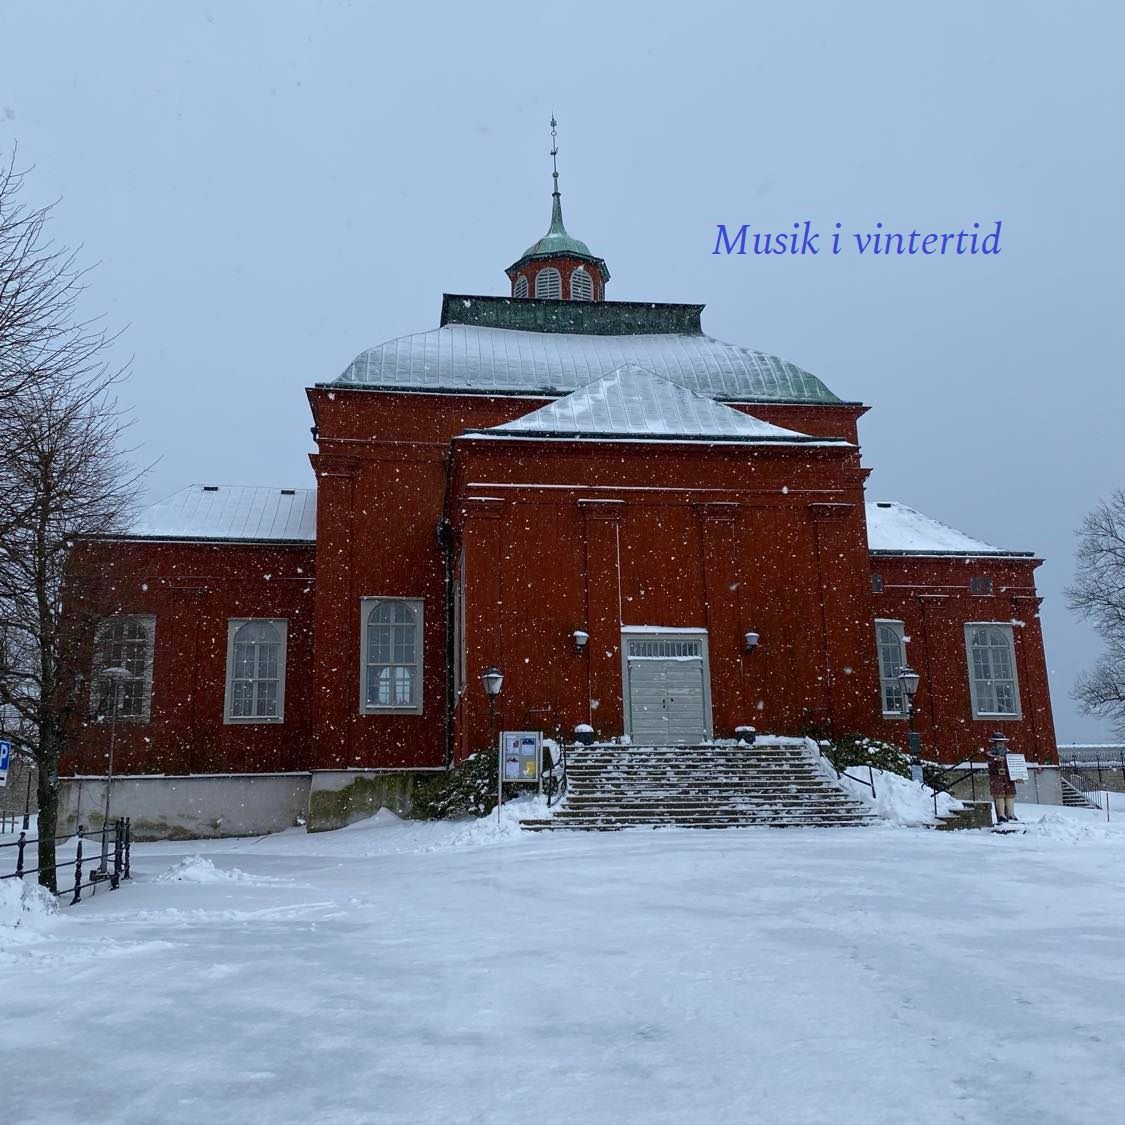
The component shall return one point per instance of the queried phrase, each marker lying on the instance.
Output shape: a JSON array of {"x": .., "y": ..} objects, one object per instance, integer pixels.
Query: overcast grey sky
[{"x": 271, "y": 188}]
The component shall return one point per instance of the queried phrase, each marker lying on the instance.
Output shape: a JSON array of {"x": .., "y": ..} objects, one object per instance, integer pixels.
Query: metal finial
[{"x": 556, "y": 199}]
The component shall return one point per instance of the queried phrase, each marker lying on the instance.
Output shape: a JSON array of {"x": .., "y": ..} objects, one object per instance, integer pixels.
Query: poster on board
[{"x": 519, "y": 755}]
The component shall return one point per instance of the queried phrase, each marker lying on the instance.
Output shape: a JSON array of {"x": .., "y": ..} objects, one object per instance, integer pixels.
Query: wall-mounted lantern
[
  {"x": 750, "y": 641},
  {"x": 581, "y": 640}
]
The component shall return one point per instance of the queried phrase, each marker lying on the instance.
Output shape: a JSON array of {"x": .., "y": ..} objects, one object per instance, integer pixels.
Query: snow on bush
[
  {"x": 898, "y": 800},
  {"x": 24, "y": 903}
]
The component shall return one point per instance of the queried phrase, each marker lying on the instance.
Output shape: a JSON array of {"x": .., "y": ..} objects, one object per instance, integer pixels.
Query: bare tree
[
  {"x": 1098, "y": 595},
  {"x": 39, "y": 288},
  {"x": 64, "y": 477}
]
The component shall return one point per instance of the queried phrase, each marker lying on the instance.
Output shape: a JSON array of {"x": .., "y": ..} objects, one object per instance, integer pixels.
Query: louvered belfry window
[
  {"x": 521, "y": 286},
  {"x": 548, "y": 284},
  {"x": 581, "y": 286},
  {"x": 124, "y": 642}
]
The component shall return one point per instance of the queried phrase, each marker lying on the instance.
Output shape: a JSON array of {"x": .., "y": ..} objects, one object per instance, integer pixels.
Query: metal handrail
[
  {"x": 938, "y": 773},
  {"x": 1091, "y": 791},
  {"x": 870, "y": 782},
  {"x": 554, "y": 786}
]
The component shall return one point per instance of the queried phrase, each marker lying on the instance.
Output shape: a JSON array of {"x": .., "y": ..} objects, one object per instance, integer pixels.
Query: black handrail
[
  {"x": 1085, "y": 785},
  {"x": 870, "y": 782},
  {"x": 937, "y": 773},
  {"x": 554, "y": 784}
]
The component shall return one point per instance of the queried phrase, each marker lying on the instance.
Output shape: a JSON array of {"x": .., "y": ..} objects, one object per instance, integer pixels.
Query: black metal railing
[
  {"x": 1090, "y": 789},
  {"x": 942, "y": 779},
  {"x": 554, "y": 777},
  {"x": 114, "y": 841},
  {"x": 842, "y": 771}
]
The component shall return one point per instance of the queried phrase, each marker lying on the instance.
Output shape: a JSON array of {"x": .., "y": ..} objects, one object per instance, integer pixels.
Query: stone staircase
[
  {"x": 1074, "y": 798},
  {"x": 777, "y": 785}
]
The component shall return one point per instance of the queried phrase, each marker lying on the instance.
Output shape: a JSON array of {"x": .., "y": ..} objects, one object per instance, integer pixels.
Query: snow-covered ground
[{"x": 396, "y": 972}]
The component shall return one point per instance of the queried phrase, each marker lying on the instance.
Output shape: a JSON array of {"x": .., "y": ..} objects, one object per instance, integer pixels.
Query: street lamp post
[
  {"x": 493, "y": 680},
  {"x": 116, "y": 677},
  {"x": 908, "y": 680}
]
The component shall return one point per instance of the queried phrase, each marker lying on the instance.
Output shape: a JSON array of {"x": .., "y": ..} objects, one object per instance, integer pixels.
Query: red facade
[{"x": 511, "y": 545}]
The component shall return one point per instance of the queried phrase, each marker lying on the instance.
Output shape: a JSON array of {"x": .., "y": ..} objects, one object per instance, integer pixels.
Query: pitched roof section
[
  {"x": 895, "y": 529},
  {"x": 242, "y": 513},
  {"x": 463, "y": 358},
  {"x": 633, "y": 403}
]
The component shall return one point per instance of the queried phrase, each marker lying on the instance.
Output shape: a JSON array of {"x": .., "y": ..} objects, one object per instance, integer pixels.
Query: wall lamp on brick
[
  {"x": 750, "y": 641},
  {"x": 581, "y": 640}
]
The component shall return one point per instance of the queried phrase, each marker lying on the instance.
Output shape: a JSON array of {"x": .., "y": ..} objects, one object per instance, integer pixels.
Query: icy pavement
[{"x": 399, "y": 972}]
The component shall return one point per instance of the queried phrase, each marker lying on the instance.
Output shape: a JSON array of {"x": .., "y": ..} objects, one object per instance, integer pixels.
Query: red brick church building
[{"x": 646, "y": 529}]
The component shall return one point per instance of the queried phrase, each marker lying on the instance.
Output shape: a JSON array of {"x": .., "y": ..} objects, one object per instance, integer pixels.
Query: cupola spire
[{"x": 558, "y": 267}]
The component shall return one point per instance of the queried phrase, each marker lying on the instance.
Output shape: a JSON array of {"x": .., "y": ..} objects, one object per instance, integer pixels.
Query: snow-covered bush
[
  {"x": 468, "y": 789},
  {"x": 859, "y": 750}
]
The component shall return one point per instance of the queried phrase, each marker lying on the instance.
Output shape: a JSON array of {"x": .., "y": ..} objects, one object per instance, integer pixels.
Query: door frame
[{"x": 659, "y": 633}]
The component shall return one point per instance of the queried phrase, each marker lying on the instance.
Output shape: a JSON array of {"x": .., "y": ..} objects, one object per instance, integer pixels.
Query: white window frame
[
  {"x": 520, "y": 287},
  {"x": 1005, "y": 629},
  {"x": 552, "y": 279},
  {"x": 233, "y": 625},
  {"x": 588, "y": 295},
  {"x": 886, "y": 678},
  {"x": 366, "y": 605},
  {"x": 97, "y": 685}
]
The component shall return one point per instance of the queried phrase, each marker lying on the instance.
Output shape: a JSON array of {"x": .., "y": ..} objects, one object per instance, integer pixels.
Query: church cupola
[{"x": 558, "y": 267}]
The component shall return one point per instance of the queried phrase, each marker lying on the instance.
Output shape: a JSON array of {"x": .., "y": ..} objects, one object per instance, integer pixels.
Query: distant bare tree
[
  {"x": 1098, "y": 595},
  {"x": 63, "y": 477},
  {"x": 39, "y": 285}
]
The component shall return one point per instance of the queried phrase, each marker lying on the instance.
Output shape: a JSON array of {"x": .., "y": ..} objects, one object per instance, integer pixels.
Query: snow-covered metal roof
[
  {"x": 633, "y": 403},
  {"x": 244, "y": 513},
  {"x": 895, "y": 529},
  {"x": 465, "y": 357}
]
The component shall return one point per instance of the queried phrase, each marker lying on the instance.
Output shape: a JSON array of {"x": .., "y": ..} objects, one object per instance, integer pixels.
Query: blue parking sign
[{"x": 5, "y": 760}]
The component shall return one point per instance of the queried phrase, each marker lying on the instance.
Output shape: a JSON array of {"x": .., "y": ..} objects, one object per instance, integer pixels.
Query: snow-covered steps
[
  {"x": 777, "y": 785},
  {"x": 1074, "y": 798}
]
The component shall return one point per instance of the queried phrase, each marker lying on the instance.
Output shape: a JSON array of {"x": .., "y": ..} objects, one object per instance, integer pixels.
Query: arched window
[
  {"x": 256, "y": 671},
  {"x": 889, "y": 640},
  {"x": 992, "y": 671},
  {"x": 392, "y": 655},
  {"x": 521, "y": 286},
  {"x": 548, "y": 284},
  {"x": 581, "y": 286},
  {"x": 125, "y": 642}
]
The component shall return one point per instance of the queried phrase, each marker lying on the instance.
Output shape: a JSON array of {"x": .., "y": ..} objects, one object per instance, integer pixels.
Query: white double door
[{"x": 668, "y": 701}]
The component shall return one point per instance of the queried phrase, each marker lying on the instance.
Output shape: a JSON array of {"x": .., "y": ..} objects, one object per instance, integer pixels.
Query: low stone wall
[
  {"x": 341, "y": 797},
  {"x": 197, "y": 807}
]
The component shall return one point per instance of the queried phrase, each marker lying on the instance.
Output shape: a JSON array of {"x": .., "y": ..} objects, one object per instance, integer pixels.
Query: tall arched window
[
  {"x": 521, "y": 286},
  {"x": 581, "y": 286},
  {"x": 889, "y": 640},
  {"x": 392, "y": 655},
  {"x": 992, "y": 671},
  {"x": 125, "y": 642},
  {"x": 548, "y": 284},
  {"x": 256, "y": 671}
]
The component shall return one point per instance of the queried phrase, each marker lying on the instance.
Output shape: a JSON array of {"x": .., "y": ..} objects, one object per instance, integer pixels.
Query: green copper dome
[{"x": 556, "y": 240}]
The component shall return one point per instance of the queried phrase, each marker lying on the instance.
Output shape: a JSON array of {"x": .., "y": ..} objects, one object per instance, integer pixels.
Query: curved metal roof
[{"x": 464, "y": 357}]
